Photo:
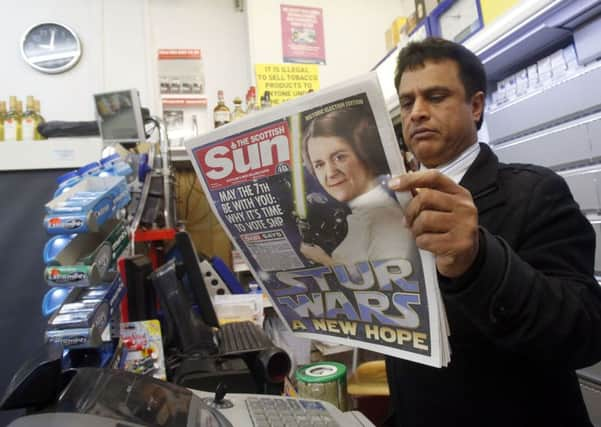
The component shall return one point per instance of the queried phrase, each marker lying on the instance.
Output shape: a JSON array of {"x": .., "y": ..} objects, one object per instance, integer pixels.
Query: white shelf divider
[{"x": 54, "y": 153}]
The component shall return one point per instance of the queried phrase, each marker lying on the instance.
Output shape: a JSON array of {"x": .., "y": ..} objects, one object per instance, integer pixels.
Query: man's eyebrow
[
  {"x": 429, "y": 89},
  {"x": 437, "y": 89}
]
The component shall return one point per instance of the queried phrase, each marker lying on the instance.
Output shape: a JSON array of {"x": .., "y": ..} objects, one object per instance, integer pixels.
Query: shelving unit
[
  {"x": 560, "y": 105},
  {"x": 178, "y": 154},
  {"x": 54, "y": 153},
  {"x": 558, "y": 126}
]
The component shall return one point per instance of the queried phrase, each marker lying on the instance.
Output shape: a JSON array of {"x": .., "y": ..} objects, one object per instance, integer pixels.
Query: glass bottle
[
  {"x": 194, "y": 125},
  {"x": 12, "y": 122},
  {"x": 37, "y": 135},
  {"x": 20, "y": 115},
  {"x": 2, "y": 117},
  {"x": 29, "y": 120},
  {"x": 238, "y": 112},
  {"x": 221, "y": 113},
  {"x": 266, "y": 100},
  {"x": 252, "y": 105},
  {"x": 248, "y": 102}
]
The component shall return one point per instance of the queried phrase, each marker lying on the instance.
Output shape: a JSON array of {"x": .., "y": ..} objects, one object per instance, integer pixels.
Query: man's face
[
  {"x": 338, "y": 169},
  {"x": 438, "y": 120}
]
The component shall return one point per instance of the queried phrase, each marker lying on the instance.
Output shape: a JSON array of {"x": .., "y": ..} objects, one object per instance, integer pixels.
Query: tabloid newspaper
[{"x": 301, "y": 191}]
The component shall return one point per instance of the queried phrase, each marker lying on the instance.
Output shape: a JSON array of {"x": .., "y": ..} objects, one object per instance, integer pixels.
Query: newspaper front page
[{"x": 301, "y": 189}]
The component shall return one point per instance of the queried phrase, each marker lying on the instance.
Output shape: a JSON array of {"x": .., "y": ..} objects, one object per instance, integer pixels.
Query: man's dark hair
[{"x": 471, "y": 70}]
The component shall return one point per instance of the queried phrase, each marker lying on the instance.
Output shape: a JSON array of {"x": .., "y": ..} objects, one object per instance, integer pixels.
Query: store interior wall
[
  {"x": 407, "y": 7},
  {"x": 353, "y": 32},
  {"x": 120, "y": 41},
  {"x": 220, "y": 31},
  {"x": 64, "y": 96},
  {"x": 114, "y": 54},
  {"x": 215, "y": 27}
]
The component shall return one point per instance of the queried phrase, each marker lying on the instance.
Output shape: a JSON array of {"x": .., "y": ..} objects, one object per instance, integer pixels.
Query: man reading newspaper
[
  {"x": 514, "y": 256},
  {"x": 301, "y": 189}
]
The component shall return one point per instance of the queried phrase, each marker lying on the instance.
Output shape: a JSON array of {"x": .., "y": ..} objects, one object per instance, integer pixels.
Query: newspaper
[{"x": 301, "y": 191}]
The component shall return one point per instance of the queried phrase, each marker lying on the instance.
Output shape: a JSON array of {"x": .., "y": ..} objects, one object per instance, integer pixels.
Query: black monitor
[
  {"x": 119, "y": 116},
  {"x": 191, "y": 332},
  {"x": 191, "y": 265},
  {"x": 141, "y": 297}
]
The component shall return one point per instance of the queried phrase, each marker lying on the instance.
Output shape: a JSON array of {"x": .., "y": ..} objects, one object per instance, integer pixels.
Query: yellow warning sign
[{"x": 286, "y": 81}]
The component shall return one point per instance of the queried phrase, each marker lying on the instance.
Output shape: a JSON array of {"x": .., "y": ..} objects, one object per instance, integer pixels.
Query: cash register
[{"x": 106, "y": 397}]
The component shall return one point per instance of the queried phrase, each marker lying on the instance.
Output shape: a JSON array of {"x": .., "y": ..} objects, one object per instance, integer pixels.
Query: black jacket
[{"x": 522, "y": 319}]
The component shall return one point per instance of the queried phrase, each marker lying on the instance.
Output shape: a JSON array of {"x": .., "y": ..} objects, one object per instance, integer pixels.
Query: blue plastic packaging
[
  {"x": 91, "y": 169},
  {"x": 226, "y": 275},
  {"x": 87, "y": 206},
  {"x": 53, "y": 299},
  {"x": 55, "y": 245},
  {"x": 114, "y": 165},
  {"x": 143, "y": 167},
  {"x": 66, "y": 181}
]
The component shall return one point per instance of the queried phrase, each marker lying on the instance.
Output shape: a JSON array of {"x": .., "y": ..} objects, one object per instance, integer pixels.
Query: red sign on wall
[
  {"x": 179, "y": 54},
  {"x": 302, "y": 34}
]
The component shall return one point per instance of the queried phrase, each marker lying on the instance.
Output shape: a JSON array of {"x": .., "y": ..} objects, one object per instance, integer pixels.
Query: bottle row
[
  {"x": 223, "y": 115},
  {"x": 16, "y": 125}
]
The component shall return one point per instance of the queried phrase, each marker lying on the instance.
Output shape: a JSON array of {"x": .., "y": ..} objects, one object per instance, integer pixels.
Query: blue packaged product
[
  {"x": 143, "y": 167},
  {"x": 122, "y": 168},
  {"x": 65, "y": 208},
  {"x": 91, "y": 169},
  {"x": 69, "y": 178},
  {"x": 55, "y": 245},
  {"x": 226, "y": 275},
  {"x": 107, "y": 166},
  {"x": 109, "y": 160},
  {"x": 115, "y": 165},
  {"x": 66, "y": 181},
  {"x": 53, "y": 299},
  {"x": 99, "y": 199},
  {"x": 66, "y": 223},
  {"x": 78, "y": 200},
  {"x": 87, "y": 194}
]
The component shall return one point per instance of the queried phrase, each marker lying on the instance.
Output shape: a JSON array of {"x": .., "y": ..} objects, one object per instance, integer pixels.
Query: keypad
[{"x": 274, "y": 412}]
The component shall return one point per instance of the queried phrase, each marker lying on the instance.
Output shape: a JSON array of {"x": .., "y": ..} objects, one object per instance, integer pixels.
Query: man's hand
[{"x": 443, "y": 218}]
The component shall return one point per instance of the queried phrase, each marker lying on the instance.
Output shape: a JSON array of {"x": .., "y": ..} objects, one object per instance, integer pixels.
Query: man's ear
[{"x": 477, "y": 103}]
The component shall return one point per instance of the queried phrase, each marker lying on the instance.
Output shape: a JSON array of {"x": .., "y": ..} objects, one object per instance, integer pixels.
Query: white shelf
[
  {"x": 183, "y": 96},
  {"x": 54, "y": 153},
  {"x": 179, "y": 154}
]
